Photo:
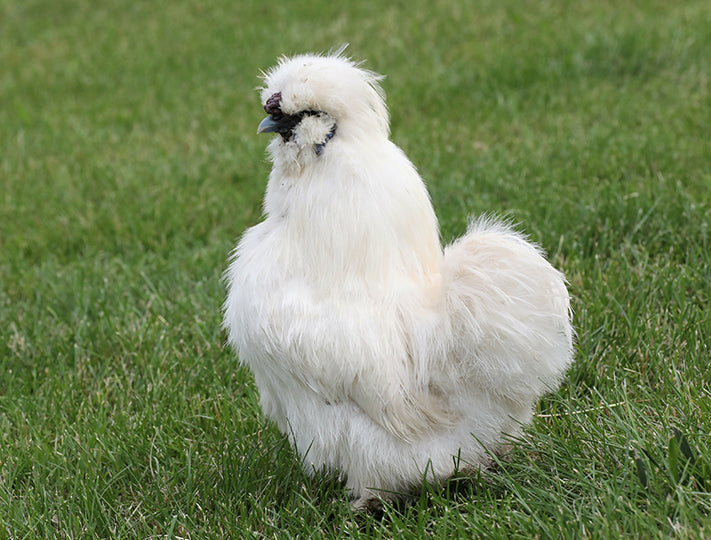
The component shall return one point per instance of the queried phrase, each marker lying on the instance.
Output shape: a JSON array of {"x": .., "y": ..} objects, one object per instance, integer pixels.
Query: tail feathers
[{"x": 508, "y": 312}]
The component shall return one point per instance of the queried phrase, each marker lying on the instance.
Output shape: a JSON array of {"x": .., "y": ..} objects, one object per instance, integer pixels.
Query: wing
[{"x": 361, "y": 352}]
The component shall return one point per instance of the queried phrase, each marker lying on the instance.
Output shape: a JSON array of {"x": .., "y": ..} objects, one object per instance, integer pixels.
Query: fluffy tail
[{"x": 509, "y": 313}]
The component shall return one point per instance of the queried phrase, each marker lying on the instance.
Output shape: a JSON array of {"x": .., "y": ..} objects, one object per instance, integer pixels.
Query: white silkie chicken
[{"x": 381, "y": 356}]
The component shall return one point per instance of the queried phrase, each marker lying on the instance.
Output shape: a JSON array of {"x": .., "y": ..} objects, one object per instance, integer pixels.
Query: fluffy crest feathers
[{"x": 333, "y": 84}]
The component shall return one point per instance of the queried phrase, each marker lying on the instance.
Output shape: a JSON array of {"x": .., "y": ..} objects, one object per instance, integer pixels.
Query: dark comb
[{"x": 273, "y": 104}]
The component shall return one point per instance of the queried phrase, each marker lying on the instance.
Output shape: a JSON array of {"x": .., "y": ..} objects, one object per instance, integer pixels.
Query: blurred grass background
[{"x": 130, "y": 165}]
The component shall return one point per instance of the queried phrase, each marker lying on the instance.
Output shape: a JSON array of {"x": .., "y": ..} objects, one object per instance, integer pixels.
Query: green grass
[{"x": 130, "y": 165}]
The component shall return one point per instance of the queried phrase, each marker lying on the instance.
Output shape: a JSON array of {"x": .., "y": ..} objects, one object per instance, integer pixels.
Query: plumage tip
[{"x": 338, "y": 51}]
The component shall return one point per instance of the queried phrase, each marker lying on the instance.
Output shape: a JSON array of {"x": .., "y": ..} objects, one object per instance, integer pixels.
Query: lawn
[{"x": 130, "y": 165}]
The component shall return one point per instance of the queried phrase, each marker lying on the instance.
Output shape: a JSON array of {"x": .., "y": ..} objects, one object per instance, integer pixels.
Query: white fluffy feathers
[{"x": 379, "y": 354}]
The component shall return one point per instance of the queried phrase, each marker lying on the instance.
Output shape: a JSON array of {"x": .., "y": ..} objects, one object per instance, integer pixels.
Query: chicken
[{"x": 384, "y": 358}]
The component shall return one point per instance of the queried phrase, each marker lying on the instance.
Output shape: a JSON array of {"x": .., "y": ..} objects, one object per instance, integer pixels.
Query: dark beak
[{"x": 269, "y": 125}]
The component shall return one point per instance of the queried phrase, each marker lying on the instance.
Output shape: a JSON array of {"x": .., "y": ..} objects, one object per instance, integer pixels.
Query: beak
[{"x": 268, "y": 125}]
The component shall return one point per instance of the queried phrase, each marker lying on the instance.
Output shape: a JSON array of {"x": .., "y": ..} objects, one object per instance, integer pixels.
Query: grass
[{"x": 130, "y": 165}]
